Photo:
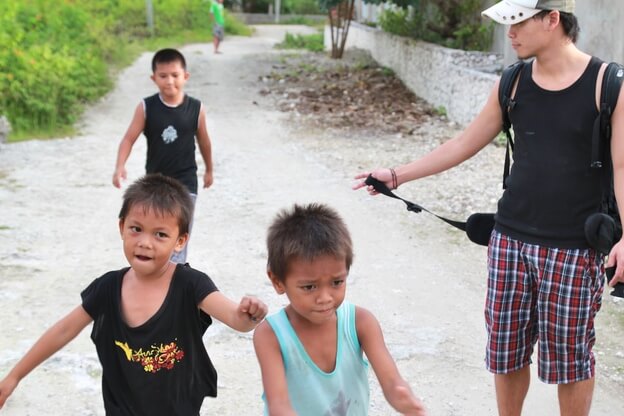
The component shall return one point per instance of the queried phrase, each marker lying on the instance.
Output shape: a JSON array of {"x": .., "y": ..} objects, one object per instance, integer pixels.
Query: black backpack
[{"x": 604, "y": 228}]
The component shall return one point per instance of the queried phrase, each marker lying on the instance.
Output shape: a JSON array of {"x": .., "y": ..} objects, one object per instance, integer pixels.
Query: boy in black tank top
[
  {"x": 171, "y": 122},
  {"x": 545, "y": 282}
]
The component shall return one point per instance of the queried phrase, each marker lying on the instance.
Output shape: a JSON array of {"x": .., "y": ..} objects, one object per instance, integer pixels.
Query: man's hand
[
  {"x": 382, "y": 175},
  {"x": 616, "y": 258}
]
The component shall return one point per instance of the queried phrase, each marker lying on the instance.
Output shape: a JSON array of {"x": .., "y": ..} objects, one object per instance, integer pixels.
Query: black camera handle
[{"x": 618, "y": 289}]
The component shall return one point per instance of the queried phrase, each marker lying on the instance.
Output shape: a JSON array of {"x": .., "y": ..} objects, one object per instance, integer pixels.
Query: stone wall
[{"x": 457, "y": 81}]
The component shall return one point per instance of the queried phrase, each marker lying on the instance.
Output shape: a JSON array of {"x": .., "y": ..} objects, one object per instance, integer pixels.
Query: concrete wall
[
  {"x": 444, "y": 77},
  {"x": 601, "y": 28}
]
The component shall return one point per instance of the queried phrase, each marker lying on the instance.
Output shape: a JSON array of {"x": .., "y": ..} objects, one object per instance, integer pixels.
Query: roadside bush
[
  {"x": 58, "y": 55},
  {"x": 234, "y": 26},
  {"x": 256, "y": 6},
  {"x": 395, "y": 20},
  {"x": 287, "y": 6},
  {"x": 451, "y": 23},
  {"x": 301, "y": 7},
  {"x": 49, "y": 65},
  {"x": 312, "y": 42}
]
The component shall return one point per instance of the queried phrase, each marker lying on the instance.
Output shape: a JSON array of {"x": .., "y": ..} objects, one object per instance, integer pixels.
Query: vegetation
[
  {"x": 57, "y": 55},
  {"x": 297, "y": 7},
  {"x": 301, "y": 7},
  {"x": 451, "y": 23},
  {"x": 313, "y": 43},
  {"x": 302, "y": 20}
]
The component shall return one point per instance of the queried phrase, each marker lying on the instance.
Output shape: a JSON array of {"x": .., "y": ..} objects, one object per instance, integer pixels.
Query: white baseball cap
[{"x": 509, "y": 12}]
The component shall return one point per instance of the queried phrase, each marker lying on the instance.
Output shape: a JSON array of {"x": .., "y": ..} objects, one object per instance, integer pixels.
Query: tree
[{"x": 340, "y": 14}]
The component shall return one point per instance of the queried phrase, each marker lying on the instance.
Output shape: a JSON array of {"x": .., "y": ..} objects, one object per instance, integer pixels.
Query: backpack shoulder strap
[
  {"x": 610, "y": 90},
  {"x": 505, "y": 89},
  {"x": 609, "y": 93}
]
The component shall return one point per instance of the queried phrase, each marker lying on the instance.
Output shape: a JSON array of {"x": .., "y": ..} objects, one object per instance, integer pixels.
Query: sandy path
[{"x": 58, "y": 231}]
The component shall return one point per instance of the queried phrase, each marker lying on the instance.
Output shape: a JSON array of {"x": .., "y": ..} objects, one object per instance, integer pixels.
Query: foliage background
[
  {"x": 300, "y": 7},
  {"x": 452, "y": 23},
  {"x": 57, "y": 55}
]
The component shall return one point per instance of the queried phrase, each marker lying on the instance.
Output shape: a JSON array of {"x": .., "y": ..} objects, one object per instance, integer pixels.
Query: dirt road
[{"x": 424, "y": 282}]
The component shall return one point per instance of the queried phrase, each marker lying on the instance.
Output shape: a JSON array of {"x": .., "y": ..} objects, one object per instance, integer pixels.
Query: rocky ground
[
  {"x": 424, "y": 281},
  {"x": 369, "y": 118},
  {"x": 353, "y": 93}
]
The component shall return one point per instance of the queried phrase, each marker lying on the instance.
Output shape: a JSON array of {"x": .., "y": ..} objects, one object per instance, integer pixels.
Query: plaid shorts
[{"x": 542, "y": 294}]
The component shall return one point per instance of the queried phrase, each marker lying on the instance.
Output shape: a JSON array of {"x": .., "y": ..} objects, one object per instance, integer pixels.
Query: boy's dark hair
[
  {"x": 569, "y": 23},
  {"x": 306, "y": 233},
  {"x": 165, "y": 56},
  {"x": 161, "y": 194}
]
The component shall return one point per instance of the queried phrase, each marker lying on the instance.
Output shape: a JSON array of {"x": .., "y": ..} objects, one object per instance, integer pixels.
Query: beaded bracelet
[{"x": 395, "y": 183}]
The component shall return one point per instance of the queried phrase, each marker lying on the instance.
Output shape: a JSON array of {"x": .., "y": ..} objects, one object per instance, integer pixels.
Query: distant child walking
[
  {"x": 218, "y": 25},
  {"x": 311, "y": 353},
  {"x": 149, "y": 318},
  {"x": 171, "y": 122}
]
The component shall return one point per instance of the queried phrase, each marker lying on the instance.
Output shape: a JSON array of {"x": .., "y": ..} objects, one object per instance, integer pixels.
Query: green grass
[
  {"x": 313, "y": 43},
  {"x": 302, "y": 20},
  {"x": 42, "y": 134},
  {"x": 43, "y": 113},
  {"x": 234, "y": 26}
]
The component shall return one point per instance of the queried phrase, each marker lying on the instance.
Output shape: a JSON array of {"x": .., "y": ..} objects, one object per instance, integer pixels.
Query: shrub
[
  {"x": 395, "y": 20},
  {"x": 50, "y": 64},
  {"x": 312, "y": 42},
  {"x": 451, "y": 23},
  {"x": 57, "y": 55},
  {"x": 301, "y": 7}
]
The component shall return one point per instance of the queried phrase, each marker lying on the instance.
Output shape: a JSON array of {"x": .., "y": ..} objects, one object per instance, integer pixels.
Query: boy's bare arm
[
  {"x": 50, "y": 342},
  {"x": 395, "y": 389},
  {"x": 137, "y": 125},
  {"x": 243, "y": 316},
  {"x": 273, "y": 372},
  {"x": 205, "y": 147}
]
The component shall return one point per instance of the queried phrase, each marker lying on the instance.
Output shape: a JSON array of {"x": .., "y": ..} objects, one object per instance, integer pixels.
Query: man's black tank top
[
  {"x": 551, "y": 188},
  {"x": 170, "y": 133}
]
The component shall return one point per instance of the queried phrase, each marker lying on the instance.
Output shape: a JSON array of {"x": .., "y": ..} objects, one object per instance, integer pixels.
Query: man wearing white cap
[{"x": 545, "y": 283}]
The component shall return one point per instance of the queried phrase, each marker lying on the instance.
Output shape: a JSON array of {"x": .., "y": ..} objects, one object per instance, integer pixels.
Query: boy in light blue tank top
[{"x": 311, "y": 353}]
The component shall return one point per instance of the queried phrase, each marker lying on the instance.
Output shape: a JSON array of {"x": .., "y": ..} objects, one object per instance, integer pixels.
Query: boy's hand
[
  {"x": 6, "y": 388},
  {"x": 208, "y": 179},
  {"x": 118, "y": 176},
  {"x": 253, "y": 308},
  {"x": 407, "y": 404}
]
